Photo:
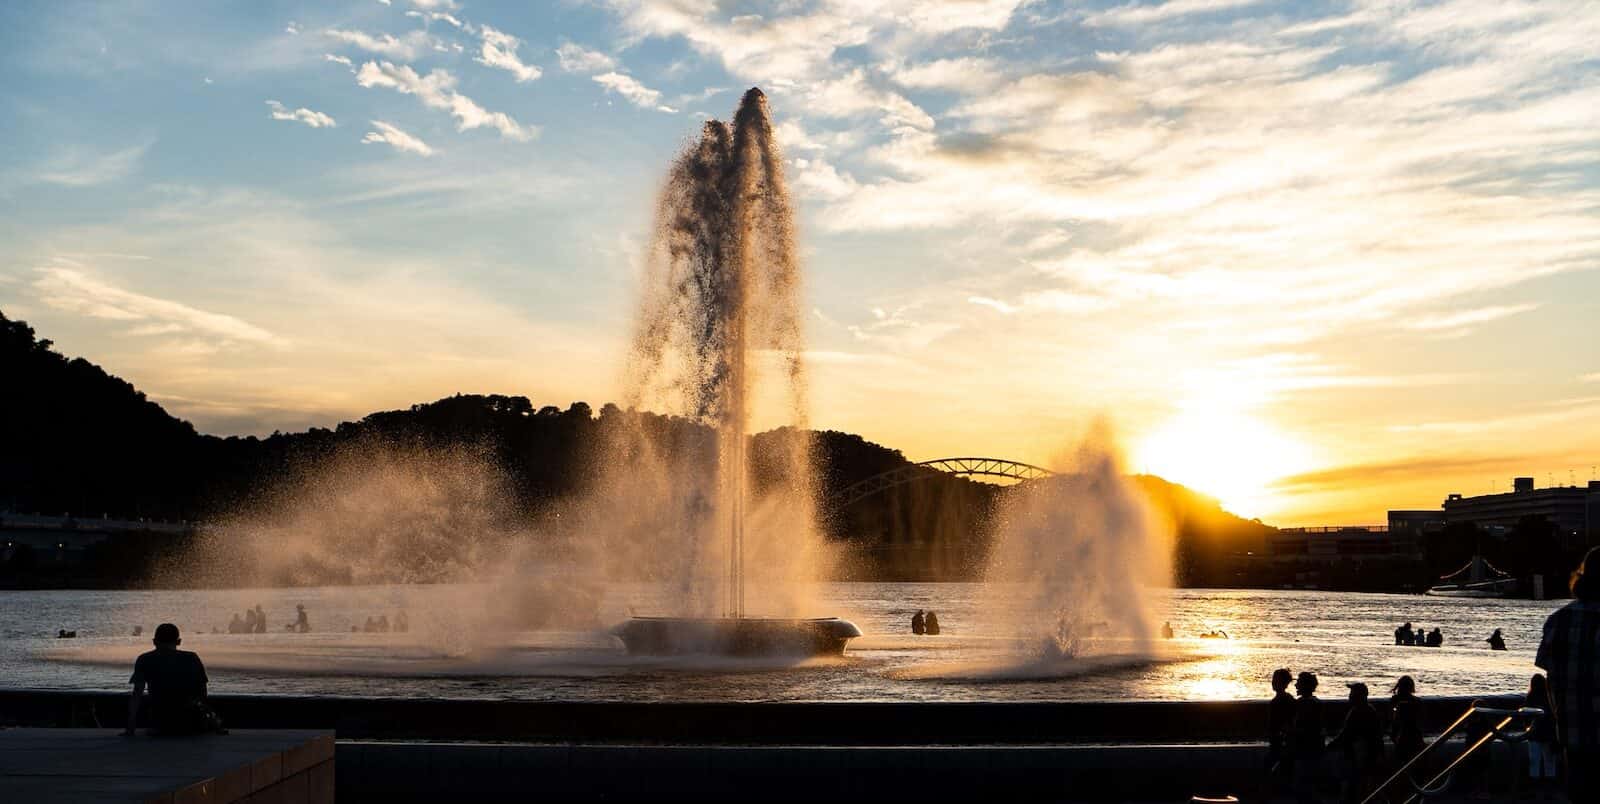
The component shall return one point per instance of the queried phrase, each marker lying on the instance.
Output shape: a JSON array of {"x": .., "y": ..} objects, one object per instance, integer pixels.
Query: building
[
  {"x": 1349, "y": 541},
  {"x": 1573, "y": 510},
  {"x": 1416, "y": 524}
]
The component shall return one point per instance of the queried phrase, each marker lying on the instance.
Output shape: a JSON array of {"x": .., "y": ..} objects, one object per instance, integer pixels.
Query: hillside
[{"x": 77, "y": 439}]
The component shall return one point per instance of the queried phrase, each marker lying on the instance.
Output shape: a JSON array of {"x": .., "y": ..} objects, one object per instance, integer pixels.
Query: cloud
[
  {"x": 406, "y": 47},
  {"x": 437, "y": 91},
  {"x": 435, "y": 5},
  {"x": 400, "y": 140},
  {"x": 303, "y": 115},
  {"x": 500, "y": 52},
  {"x": 345, "y": 60},
  {"x": 1143, "y": 14},
  {"x": 1462, "y": 319},
  {"x": 1593, "y": 377},
  {"x": 628, "y": 87},
  {"x": 74, "y": 291},
  {"x": 994, "y": 304},
  {"x": 437, "y": 16},
  {"x": 967, "y": 74},
  {"x": 292, "y": 28},
  {"x": 77, "y": 167},
  {"x": 575, "y": 58},
  {"x": 1371, "y": 474}
]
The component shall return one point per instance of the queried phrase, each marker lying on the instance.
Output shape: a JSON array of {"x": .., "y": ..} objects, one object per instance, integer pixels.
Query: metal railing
[{"x": 1441, "y": 781}]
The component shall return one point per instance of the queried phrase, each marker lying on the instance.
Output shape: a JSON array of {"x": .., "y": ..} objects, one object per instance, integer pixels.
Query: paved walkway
[{"x": 76, "y": 766}]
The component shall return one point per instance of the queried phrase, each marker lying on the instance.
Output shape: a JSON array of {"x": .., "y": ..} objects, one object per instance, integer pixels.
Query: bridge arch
[{"x": 964, "y": 467}]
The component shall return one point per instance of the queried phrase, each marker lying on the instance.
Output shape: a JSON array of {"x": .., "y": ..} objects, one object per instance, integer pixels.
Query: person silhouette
[
  {"x": 261, "y": 620},
  {"x": 402, "y": 623},
  {"x": 1402, "y": 635},
  {"x": 931, "y": 623},
  {"x": 1496, "y": 641},
  {"x": 1307, "y": 738},
  {"x": 1405, "y": 712},
  {"x": 1166, "y": 631},
  {"x": 1420, "y": 638},
  {"x": 1280, "y": 723},
  {"x": 177, "y": 683},
  {"x": 1361, "y": 740},
  {"x": 302, "y": 623},
  {"x": 383, "y": 623},
  {"x": 918, "y": 623},
  {"x": 1569, "y": 653},
  {"x": 1435, "y": 638}
]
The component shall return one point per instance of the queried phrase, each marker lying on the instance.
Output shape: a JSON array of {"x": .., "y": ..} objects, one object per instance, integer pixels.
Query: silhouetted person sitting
[
  {"x": 383, "y": 623},
  {"x": 1166, "y": 631},
  {"x": 65, "y": 634},
  {"x": 1403, "y": 636},
  {"x": 1361, "y": 739},
  {"x": 1306, "y": 738},
  {"x": 1420, "y": 638},
  {"x": 261, "y": 620},
  {"x": 177, "y": 683},
  {"x": 1435, "y": 638},
  {"x": 1280, "y": 723},
  {"x": 1405, "y": 727},
  {"x": 402, "y": 623},
  {"x": 931, "y": 622},
  {"x": 1570, "y": 656},
  {"x": 302, "y": 623},
  {"x": 918, "y": 623},
  {"x": 1496, "y": 642},
  {"x": 370, "y": 626},
  {"x": 236, "y": 626},
  {"x": 138, "y": 630}
]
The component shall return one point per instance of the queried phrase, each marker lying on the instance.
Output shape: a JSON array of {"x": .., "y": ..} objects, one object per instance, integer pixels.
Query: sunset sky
[{"x": 1319, "y": 260}]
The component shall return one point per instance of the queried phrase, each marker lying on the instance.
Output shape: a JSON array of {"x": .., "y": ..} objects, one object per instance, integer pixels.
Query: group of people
[
  {"x": 1564, "y": 739},
  {"x": 1435, "y": 638},
  {"x": 1422, "y": 639},
  {"x": 1296, "y": 744},
  {"x": 254, "y": 621},
  {"x": 925, "y": 623},
  {"x": 380, "y": 624}
]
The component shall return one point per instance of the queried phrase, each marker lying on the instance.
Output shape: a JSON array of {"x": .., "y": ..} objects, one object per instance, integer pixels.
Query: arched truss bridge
[{"x": 965, "y": 467}]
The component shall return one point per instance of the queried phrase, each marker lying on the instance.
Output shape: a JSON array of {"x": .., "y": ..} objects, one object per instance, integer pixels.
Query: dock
[{"x": 80, "y": 766}]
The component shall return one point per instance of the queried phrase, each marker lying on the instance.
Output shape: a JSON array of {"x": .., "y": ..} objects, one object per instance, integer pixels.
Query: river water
[{"x": 448, "y": 653}]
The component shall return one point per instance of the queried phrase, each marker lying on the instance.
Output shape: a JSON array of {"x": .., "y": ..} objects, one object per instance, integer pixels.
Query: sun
[{"x": 1225, "y": 453}]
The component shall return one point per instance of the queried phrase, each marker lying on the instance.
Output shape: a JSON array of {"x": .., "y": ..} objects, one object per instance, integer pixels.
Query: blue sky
[{"x": 1319, "y": 259}]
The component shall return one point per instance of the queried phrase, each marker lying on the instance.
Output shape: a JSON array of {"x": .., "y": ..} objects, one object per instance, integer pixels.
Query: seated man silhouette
[{"x": 177, "y": 683}]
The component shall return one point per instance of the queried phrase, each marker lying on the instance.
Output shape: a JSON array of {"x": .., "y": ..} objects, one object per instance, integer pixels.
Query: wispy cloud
[
  {"x": 1146, "y": 13},
  {"x": 74, "y": 291},
  {"x": 437, "y": 91},
  {"x": 399, "y": 140},
  {"x": 345, "y": 60},
  {"x": 80, "y": 167},
  {"x": 302, "y": 115},
  {"x": 500, "y": 52},
  {"x": 1462, "y": 319},
  {"x": 636, "y": 93},
  {"x": 405, "y": 47},
  {"x": 575, "y": 58}
]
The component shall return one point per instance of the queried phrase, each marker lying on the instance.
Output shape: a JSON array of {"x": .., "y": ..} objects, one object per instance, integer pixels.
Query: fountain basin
[{"x": 735, "y": 636}]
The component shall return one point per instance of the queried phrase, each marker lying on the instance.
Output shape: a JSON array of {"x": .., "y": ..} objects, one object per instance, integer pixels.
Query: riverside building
[{"x": 1573, "y": 510}]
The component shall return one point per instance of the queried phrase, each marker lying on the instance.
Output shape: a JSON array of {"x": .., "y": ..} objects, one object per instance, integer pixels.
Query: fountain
[{"x": 721, "y": 296}]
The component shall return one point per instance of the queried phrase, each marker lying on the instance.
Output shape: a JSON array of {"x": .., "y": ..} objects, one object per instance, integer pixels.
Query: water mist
[{"x": 1078, "y": 561}]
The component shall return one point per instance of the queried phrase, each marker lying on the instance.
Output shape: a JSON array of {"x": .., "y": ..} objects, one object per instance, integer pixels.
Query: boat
[
  {"x": 736, "y": 636},
  {"x": 1478, "y": 578}
]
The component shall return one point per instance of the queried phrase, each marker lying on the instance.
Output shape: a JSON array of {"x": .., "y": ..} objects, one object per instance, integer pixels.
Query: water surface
[{"x": 1340, "y": 636}]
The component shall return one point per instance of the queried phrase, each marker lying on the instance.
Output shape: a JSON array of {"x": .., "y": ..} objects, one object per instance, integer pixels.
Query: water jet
[{"x": 722, "y": 294}]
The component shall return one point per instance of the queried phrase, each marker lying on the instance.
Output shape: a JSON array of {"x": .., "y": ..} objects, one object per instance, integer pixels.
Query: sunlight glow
[{"x": 1226, "y": 453}]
